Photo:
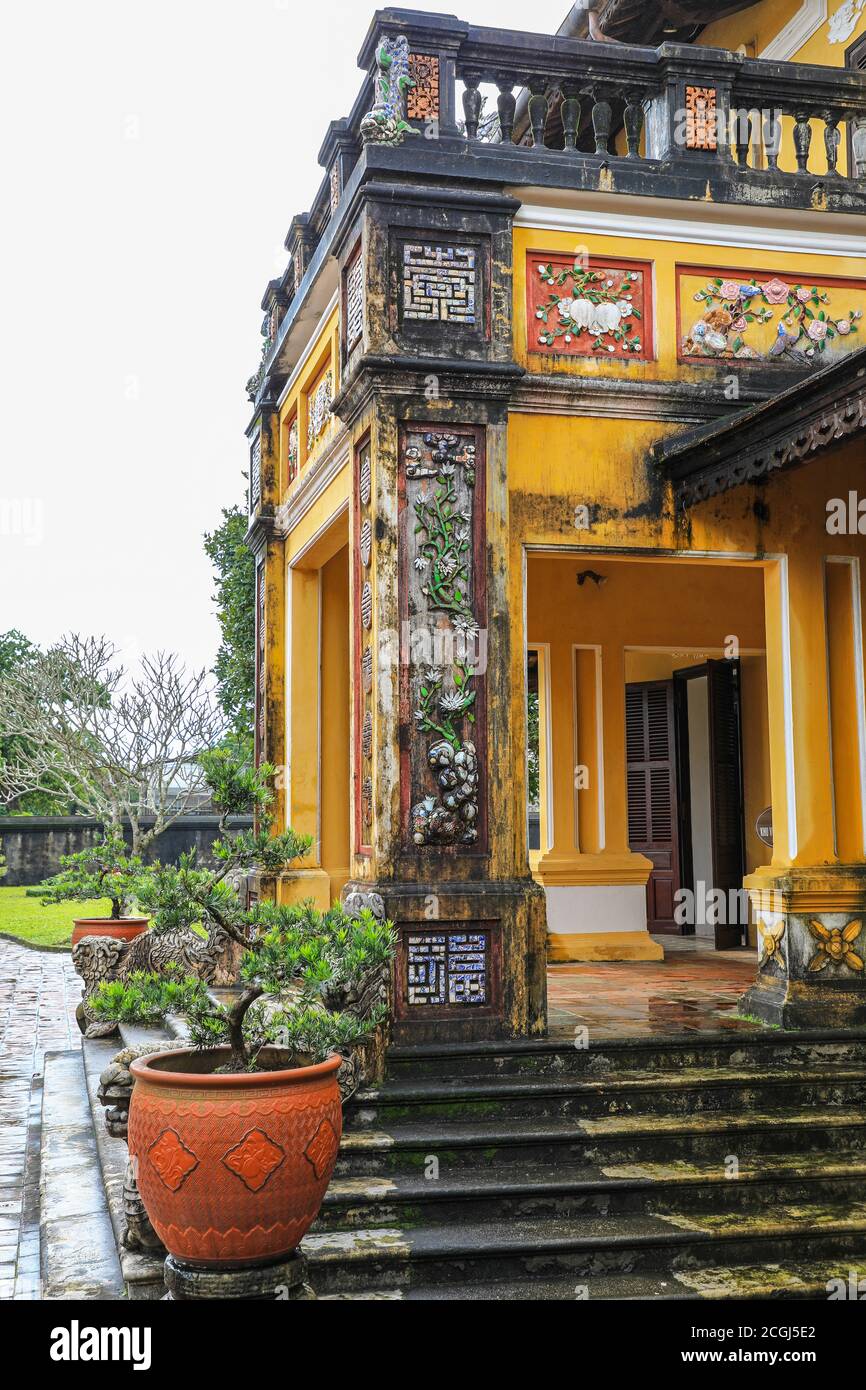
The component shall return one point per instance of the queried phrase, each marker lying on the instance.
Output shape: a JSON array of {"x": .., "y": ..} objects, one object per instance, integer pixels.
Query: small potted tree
[
  {"x": 108, "y": 870},
  {"x": 235, "y": 1138}
]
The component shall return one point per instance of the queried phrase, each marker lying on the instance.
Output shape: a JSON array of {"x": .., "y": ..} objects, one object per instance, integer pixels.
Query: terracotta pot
[
  {"x": 121, "y": 928},
  {"x": 232, "y": 1169}
]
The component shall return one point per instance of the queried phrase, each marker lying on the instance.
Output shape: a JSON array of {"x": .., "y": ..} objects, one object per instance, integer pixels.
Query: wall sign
[{"x": 764, "y": 827}]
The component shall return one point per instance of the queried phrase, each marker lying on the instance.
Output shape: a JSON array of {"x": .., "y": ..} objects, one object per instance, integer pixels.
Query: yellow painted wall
[
  {"x": 323, "y": 353},
  {"x": 336, "y": 723}
]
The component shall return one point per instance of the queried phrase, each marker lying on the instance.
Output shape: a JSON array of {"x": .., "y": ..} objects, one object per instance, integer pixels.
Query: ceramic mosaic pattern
[
  {"x": 319, "y": 409},
  {"x": 439, "y": 283},
  {"x": 422, "y": 100},
  {"x": 729, "y": 315},
  {"x": 293, "y": 450},
  {"x": 354, "y": 301},
  {"x": 443, "y": 623},
  {"x": 447, "y": 968},
  {"x": 588, "y": 308},
  {"x": 701, "y": 127}
]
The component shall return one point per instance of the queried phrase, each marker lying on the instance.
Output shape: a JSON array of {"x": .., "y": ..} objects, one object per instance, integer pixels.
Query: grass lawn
[{"x": 26, "y": 918}]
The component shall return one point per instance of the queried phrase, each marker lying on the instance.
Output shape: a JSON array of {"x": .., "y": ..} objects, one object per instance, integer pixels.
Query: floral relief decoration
[
  {"x": 735, "y": 311},
  {"x": 589, "y": 310},
  {"x": 445, "y": 695},
  {"x": 836, "y": 946}
]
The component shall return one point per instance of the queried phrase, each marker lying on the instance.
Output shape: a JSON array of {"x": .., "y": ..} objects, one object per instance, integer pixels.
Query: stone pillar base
[
  {"x": 602, "y": 946},
  {"x": 283, "y": 1281},
  {"x": 812, "y": 926}
]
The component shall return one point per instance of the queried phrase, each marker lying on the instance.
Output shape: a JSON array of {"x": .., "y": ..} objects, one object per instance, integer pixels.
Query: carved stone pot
[
  {"x": 120, "y": 928},
  {"x": 232, "y": 1168}
]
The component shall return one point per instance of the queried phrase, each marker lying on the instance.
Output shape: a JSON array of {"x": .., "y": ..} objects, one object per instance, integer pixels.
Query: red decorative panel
[
  {"x": 592, "y": 307},
  {"x": 422, "y": 100}
]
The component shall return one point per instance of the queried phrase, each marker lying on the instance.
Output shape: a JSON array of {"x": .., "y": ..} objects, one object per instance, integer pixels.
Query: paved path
[{"x": 38, "y": 994}]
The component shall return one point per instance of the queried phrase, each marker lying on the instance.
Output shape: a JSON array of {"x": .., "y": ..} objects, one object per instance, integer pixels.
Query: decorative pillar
[
  {"x": 809, "y": 905},
  {"x": 439, "y": 819}
]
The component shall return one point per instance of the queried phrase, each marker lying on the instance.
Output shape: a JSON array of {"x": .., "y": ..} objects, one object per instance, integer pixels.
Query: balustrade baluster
[
  {"x": 743, "y": 137},
  {"x": 506, "y": 103},
  {"x": 472, "y": 103},
  {"x": 571, "y": 108},
  {"x": 602, "y": 119},
  {"x": 772, "y": 139},
  {"x": 802, "y": 140},
  {"x": 832, "y": 140},
  {"x": 538, "y": 109},
  {"x": 633, "y": 119}
]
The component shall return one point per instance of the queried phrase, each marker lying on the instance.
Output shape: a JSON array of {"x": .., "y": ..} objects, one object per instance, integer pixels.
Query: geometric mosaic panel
[
  {"x": 439, "y": 283},
  {"x": 447, "y": 968},
  {"x": 701, "y": 122},
  {"x": 422, "y": 100},
  {"x": 354, "y": 301}
]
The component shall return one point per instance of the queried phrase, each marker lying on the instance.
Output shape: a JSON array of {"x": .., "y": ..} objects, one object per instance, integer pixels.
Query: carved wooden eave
[
  {"x": 636, "y": 21},
  {"x": 788, "y": 430}
]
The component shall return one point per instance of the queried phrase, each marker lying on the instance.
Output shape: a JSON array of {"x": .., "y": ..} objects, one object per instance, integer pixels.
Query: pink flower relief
[
  {"x": 844, "y": 327},
  {"x": 775, "y": 291},
  {"x": 729, "y": 289},
  {"x": 817, "y": 330},
  {"x": 803, "y": 294},
  {"x": 739, "y": 325}
]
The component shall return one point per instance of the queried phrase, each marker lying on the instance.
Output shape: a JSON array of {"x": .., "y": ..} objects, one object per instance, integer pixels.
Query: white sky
[{"x": 153, "y": 155}]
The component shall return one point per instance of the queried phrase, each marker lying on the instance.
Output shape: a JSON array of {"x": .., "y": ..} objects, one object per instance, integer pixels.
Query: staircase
[{"x": 704, "y": 1167}]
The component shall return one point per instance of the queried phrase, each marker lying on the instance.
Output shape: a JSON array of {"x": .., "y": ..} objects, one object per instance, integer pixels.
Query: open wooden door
[
  {"x": 724, "y": 766},
  {"x": 652, "y": 794}
]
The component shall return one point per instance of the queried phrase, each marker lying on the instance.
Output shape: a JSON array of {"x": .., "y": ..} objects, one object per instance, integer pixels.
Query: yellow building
[{"x": 562, "y": 409}]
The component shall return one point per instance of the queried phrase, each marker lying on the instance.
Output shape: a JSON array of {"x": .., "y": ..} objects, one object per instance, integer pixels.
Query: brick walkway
[{"x": 38, "y": 994}]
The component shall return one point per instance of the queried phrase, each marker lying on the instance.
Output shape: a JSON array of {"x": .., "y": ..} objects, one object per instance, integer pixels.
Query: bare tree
[{"x": 122, "y": 747}]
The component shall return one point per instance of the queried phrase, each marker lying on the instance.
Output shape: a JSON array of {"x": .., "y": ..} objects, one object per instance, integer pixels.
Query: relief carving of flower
[
  {"x": 452, "y": 704},
  {"x": 817, "y": 330},
  {"x": 420, "y": 562},
  {"x": 843, "y": 326},
  {"x": 772, "y": 935},
  {"x": 834, "y": 944},
  {"x": 803, "y": 294},
  {"x": 729, "y": 289},
  {"x": 775, "y": 291}
]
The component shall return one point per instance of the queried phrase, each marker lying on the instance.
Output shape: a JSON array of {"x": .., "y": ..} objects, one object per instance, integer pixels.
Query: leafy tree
[
  {"x": 17, "y": 654},
  {"x": 234, "y": 572},
  {"x": 121, "y": 746},
  {"x": 107, "y": 870}
]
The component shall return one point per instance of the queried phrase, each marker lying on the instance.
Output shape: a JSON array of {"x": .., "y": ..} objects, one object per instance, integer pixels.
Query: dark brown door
[
  {"x": 726, "y": 790},
  {"x": 727, "y": 817},
  {"x": 652, "y": 794}
]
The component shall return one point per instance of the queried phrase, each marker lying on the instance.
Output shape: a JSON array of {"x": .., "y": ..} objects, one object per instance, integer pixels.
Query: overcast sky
[{"x": 153, "y": 155}]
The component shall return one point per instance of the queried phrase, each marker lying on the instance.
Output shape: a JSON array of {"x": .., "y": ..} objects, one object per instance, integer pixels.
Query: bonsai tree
[
  {"x": 309, "y": 979},
  {"x": 108, "y": 870}
]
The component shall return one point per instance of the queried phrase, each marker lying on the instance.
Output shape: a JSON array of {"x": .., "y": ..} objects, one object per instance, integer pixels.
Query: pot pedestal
[{"x": 282, "y": 1281}]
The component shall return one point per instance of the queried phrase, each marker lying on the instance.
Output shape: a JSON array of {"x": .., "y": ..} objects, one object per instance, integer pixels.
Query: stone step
[
  {"x": 410, "y": 1199},
  {"x": 762, "y": 1049},
  {"x": 605, "y": 1139},
  {"x": 581, "y": 1248},
  {"x": 793, "y": 1279},
  {"x": 142, "y": 1272},
  {"x": 694, "y": 1091},
  {"x": 79, "y": 1259}
]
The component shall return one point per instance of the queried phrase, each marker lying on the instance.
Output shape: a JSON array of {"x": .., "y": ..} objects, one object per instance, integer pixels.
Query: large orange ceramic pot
[
  {"x": 232, "y": 1168},
  {"x": 121, "y": 928}
]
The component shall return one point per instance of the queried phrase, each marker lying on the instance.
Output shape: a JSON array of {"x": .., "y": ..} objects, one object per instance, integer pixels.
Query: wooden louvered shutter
[
  {"x": 855, "y": 57},
  {"x": 652, "y": 793},
  {"x": 726, "y": 784}
]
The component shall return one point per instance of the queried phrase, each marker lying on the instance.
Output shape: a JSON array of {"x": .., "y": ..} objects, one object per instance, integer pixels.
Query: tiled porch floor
[{"x": 694, "y": 990}]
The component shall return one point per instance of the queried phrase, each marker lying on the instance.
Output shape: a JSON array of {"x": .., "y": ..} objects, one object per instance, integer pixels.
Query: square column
[{"x": 810, "y": 905}]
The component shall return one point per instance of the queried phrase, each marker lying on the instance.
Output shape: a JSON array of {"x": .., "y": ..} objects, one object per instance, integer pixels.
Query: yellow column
[
  {"x": 595, "y": 885},
  {"x": 310, "y": 880}
]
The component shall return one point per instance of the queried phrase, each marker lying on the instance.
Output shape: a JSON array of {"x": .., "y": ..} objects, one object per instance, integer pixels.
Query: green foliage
[
  {"x": 533, "y": 751},
  {"x": 107, "y": 870},
  {"x": 17, "y": 652},
  {"x": 234, "y": 573},
  {"x": 3, "y": 868}
]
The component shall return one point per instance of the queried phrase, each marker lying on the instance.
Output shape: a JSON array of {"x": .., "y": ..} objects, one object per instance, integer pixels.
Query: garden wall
[{"x": 33, "y": 844}]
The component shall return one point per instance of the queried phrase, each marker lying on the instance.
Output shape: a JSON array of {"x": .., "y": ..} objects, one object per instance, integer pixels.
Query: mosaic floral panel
[
  {"x": 447, "y": 968},
  {"x": 334, "y": 184},
  {"x": 354, "y": 301},
  {"x": 439, "y": 283},
  {"x": 588, "y": 308},
  {"x": 363, "y": 706},
  {"x": 293, "y": 455},
  {"x": 319, "y": 408},
  {"x": 701, "y": 120},
  {"x": 422, "y": 100},
  {"x": 729, "y": 315},
  {"x": 442, "y": 611}
]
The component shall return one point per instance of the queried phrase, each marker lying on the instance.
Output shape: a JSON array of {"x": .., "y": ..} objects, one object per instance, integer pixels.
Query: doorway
[{"x": 685, "y": 800}]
